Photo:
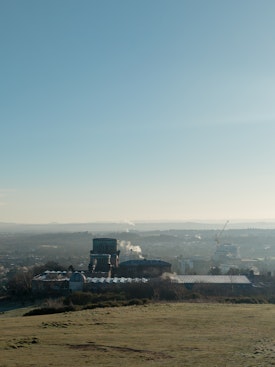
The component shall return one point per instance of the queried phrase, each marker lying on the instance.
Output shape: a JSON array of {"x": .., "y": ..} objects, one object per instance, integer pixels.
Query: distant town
[{"x": 129, "y": 253}]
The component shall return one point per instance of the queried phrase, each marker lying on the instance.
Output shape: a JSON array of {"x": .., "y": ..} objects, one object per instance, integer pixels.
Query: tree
[
  {"x": 233, "y": 271},
  {"x": 20, "y": 283},
  {"x": 71, "y": 268},
  {"x": 215, "y": 270}
]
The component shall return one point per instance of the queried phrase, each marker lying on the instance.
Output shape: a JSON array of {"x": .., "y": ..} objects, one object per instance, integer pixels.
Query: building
[
  {"x": 51, "y": 282},
  {"x": 240, "y": 281},
  {"x": 144, "y": 268},
  {"x": 104, "y": 257},
  {"x": 226, "y": 253},
  {"x": 78, "y": 282},
  {"x": 56, "y": 283},
  {"x": 194, "y": 265},
  {"x": 104, "y": 271}
]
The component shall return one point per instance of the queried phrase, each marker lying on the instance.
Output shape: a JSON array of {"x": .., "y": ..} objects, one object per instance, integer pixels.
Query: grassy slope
[{"x": 155, "y": 335}]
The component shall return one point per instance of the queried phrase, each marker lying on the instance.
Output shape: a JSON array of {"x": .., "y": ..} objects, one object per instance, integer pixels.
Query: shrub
[
  {"x": 144, "y": 290},
  {"x": 49, "y": 310},
  {"x": 248, "y": 300},
  {"x": 79, "y": 298},
  {"x": 137, "y": 302}
]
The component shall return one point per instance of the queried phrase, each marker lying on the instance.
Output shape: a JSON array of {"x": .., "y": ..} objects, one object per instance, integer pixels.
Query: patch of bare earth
[{"x": 148, "y": 354}]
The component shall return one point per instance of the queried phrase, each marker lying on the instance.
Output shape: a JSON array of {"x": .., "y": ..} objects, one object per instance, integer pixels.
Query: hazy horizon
[
  {"x": 156, "y": 110},
  {"x": 219, "y": 222}
]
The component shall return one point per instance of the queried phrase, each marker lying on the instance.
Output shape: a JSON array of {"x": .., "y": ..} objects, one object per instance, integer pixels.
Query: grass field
[{"x": 174, "y": 334}]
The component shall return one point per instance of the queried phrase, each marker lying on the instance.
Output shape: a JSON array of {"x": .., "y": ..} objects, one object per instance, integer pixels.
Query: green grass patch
[{"x": 156, "y": 334}]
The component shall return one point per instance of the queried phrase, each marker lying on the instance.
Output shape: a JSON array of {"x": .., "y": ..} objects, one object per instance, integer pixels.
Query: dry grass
[{"x": 173, "y": 335}]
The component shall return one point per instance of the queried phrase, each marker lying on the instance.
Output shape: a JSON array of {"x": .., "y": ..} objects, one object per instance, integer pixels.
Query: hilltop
[{"x": 174, "y": 334}]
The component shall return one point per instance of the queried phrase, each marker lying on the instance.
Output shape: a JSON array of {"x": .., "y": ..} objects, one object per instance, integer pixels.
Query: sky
[{"x": 137, "y": 110}]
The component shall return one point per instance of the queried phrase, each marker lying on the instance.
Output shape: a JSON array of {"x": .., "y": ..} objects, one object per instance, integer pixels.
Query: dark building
[
  {"x": 104, "y": 257},
  {"x": 51, "y": 283},
  {"x": 144, "y": 268},
  {"x": 105, "y": 246}
]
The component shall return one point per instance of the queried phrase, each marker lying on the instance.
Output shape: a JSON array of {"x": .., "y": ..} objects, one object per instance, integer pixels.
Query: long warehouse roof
[{"x": 211, "y": 279}]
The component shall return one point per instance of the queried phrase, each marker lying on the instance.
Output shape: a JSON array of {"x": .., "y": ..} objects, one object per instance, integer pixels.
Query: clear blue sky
[{"x": 137, "y": 110}]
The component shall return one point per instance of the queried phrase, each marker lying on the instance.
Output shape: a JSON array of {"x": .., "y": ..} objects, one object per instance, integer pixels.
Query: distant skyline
[{"x": 137, "y": 110}]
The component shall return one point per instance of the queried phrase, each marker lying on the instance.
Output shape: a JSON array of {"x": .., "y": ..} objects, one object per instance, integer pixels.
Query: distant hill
[{"x": 128, "y": 227}]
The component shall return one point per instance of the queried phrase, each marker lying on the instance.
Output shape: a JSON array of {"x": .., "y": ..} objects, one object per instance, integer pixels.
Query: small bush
[
  {"x": 247, "y": 300},
  {"x": 137, "y": 302},
  {"x": 49, "y": 310},
  {"x": 271, "y": 299}
]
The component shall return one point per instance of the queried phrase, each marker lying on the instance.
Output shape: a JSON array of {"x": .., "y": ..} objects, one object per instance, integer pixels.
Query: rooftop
[
  {"x": 116, "y": 280},
  {"x": 144, "y": 262},
  {"x": 211, "y": 279}
]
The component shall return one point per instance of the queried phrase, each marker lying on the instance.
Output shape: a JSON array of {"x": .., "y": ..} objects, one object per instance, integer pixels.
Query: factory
[
  {"x": 104, "y": 257},
  {"x": 104, "y": 262},
  {"x": 145, "y": 268},
  {"x": 104, "y": 270}
]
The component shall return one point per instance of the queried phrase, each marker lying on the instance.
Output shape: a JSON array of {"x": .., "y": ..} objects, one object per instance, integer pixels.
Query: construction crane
[{"x": 218, "y": 236}]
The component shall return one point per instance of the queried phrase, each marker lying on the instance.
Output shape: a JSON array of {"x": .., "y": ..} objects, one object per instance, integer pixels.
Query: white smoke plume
[
  {"x": 129, "y": 224},
  {"x": 130, "y": 250},
  {"x": 170, "y": 276},
  {"x": 132, "y": 224}
]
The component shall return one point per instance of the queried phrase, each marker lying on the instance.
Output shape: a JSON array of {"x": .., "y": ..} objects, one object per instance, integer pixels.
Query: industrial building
[
  {"x": 104, "y": 270},
  {"x": 51, "y": 282},
  {"x": 193, "y": 265},
  {"x": 62, "y": 283},
  {"x": 104, "y": 262},
  {"x": 104, "y": 257},
  {"x": 211, "y": 279},
  {"x": 212, "y": 282},
  {"x": 226, "y": 253},
  {"x": 144, "y": 268}
]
